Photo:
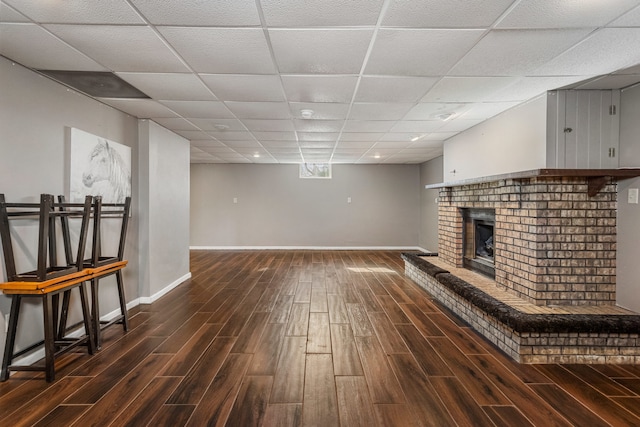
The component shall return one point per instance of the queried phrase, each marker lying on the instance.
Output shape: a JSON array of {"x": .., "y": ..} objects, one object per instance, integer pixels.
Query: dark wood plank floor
[{"x": 322, "y": 338}]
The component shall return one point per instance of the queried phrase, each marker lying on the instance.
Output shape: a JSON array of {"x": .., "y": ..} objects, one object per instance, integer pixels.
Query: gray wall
[
  {"x": 164, "y": 226},
  {"x": 275, "y": 208},
  {"x": 514, "y": 140},
  {"x": 628, "y": 267},
  {"x": 430, "y": 173},
  {"x": 35, "y": 117}
]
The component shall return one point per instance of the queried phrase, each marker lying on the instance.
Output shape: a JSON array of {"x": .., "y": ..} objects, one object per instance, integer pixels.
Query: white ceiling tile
[
  {"x": 8, "y": 14},
  {"x": 344, "y": 159},
  {"x": 121, "y": 48},
  {"x": 141, "y": 108},
  {"x": 290, "y": 145},
  {"x": 193, "y": 134},
  {"x": 393, "y": 89},
  {"x": 431, "y": 110},
  {"x": 360, "y": 136},
  {"x": 275, "y": 136},
  {"x": 447, "y": 14},
  {"x": 399, "y": 136},
  {"x": 217, "y": 149},
  {"x": 392, "y": 144},
  {"x": 243, "y": 144},
  {"x": 175, "y": 123},
  {"x": 269, "y": 125},
  {"x": 199, "y": 109},
  {"x": 231, "y": 136},
  {"x": 222, "y": 50},
  {"x": 422, "y": 144},
  {"x": 604, "y": 52},
  {"x": 259, "y": 110},
  {"x": 529, "y": 87},
  {"x": 220, "y": 13},
  {"x": 207, "y": 143},
  {"x": 318, "y": 125},
  {"x": 420, "y": 126},
  {"x": 458, "y": 125},
  {"x": 564, "y": 14},
  {"x": 317, "y": 136},
  {"x": 486, "y": 110},
  {"x": 229, "y": 87},
  {"x": 316, "y": 144},
  {"x": 437, "y": 136},
  {"x": 467, "y": 89},
  {"x": 320, "y": 51},
  {"x": 77, "y": 11},
  {"x": 321, "y": 110},
  {"x": 378, "y": 111},
  {"x": 218, "y": 125},
  {"x": 516, "y": 52},
  {"x": 341, "y": 150},
  {"x": 330, "y": 13},
  {"x": 613, "y": 81},
  {"x": 629, "y": 19},
  {"x": 319, "y": 88},
  {"x": 45, "y": 52},
  {"x": 289, "y": 151},
  {"x": 419, "y": 52},
  {"x": 356, "y": 145},
  {"x": 169, "y": 86},
  {"x": 368, "y": 125}
]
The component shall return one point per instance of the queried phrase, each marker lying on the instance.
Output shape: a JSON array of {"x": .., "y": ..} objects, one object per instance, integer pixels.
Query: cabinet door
[{"x": 584, "y": 129}]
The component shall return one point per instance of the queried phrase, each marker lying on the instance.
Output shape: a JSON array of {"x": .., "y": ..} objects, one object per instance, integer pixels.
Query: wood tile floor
[{"x": 315, "y": 338}]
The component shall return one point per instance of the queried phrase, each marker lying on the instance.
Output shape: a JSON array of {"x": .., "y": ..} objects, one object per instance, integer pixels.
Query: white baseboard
[
  {"x": 159, "y": 294},
  {"x": 38, "y": 354},
  {"x": 309, "y": 248}
]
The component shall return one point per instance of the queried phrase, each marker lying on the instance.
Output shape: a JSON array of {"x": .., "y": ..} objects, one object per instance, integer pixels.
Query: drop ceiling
[{"x": 387, "y": 81}]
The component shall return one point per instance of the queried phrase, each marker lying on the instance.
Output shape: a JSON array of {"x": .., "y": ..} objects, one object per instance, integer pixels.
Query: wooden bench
[{"x": 49, "y": 279}]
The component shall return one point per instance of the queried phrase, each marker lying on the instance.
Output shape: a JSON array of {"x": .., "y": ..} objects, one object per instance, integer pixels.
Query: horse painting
[{"x": 107, "y": 174}]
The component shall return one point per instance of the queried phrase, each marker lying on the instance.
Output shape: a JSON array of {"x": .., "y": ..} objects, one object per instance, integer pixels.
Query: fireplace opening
[{"x": 478, "y": 239}]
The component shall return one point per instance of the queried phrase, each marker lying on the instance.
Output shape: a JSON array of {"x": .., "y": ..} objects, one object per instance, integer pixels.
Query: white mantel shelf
[{"x": 595, "y": 174}]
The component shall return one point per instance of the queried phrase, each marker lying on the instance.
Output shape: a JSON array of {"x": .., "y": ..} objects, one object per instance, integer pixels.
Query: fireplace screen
[{"x": 478, "y": 240}]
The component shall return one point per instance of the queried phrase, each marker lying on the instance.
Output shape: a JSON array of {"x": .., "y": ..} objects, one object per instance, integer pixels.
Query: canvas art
[{"x": 98, "y": 167}]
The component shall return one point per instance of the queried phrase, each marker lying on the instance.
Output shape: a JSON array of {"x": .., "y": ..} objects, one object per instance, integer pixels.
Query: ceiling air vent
[{"x": 98, "y": 84}]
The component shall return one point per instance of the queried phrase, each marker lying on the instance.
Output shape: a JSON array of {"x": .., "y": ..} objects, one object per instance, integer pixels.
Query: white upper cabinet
[{"x": 583, "y": 128}]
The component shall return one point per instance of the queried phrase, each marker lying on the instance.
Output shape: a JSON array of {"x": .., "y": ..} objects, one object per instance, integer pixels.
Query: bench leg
[
  {"x": 123, "y": 302},
  {"x": 64, "y": 314},
  {"x": 49, "y": 338},
  {"x": 86, "y": 314},
  {"x": 11, "y": 337},
  {"x": 95, "y": 313}
]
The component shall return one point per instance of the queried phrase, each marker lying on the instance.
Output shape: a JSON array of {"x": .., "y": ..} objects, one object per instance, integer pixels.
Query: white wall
[
  {"x": 35, "y": 117},
  {"x": 276, "y": 208},
  {"x": 430, "y": 173},
  {"x": 628, "y": 268},
  {"x": 510, "y": 142},
  {"x": 163, "y": 244}
]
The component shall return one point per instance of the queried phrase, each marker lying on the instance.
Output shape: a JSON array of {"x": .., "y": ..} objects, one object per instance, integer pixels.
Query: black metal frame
[{"x": 56, "y": 340}]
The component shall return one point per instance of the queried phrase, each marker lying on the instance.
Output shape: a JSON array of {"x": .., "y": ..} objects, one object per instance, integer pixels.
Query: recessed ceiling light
[
  {"x": 377, "y": 156},
  {"x": 415, "y": 138},
  {"x": 220, "y": 127},
  {"x": 256, "y": 155},
  {"x": 306, "y": 114}
]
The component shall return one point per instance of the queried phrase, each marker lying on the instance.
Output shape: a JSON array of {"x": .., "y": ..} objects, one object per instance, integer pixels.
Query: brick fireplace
[
  {"x": 553, "y": 252},
  {"x": 555, "y": 244}
]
